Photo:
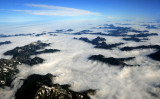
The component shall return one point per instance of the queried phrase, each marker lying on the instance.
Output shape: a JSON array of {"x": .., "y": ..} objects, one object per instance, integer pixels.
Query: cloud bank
[
  {"x": 57, "y": 11},
  {"x": 71, "y": 66}
]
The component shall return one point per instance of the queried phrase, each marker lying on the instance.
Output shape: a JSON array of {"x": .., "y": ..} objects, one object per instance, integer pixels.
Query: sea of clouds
[{"x": 71, "y": 65}]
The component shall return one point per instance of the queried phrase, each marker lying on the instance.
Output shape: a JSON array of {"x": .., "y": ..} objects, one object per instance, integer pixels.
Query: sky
[{"x": 46, "y": 10}]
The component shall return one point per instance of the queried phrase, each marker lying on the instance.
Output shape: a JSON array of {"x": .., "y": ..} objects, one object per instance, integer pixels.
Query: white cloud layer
[
  {"x": 58, "y": 11},
  {"x": 71, "y": 66}
]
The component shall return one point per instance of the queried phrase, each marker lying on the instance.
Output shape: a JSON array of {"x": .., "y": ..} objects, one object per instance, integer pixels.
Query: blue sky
[{"x": 42, "y": 10}]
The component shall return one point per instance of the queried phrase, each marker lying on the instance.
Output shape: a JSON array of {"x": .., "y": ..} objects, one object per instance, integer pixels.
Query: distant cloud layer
[{"x": 57, "y": 11}]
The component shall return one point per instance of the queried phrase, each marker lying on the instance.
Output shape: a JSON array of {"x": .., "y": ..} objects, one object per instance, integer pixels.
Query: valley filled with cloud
[
  {"x": 101, "y": 61},
  {"x": 79, "y": 49}
]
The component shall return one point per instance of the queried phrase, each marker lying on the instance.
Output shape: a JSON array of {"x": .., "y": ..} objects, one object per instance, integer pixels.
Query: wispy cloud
[
  {"x": 109, "y": 17},
  {"x": 57, "y": 11}
]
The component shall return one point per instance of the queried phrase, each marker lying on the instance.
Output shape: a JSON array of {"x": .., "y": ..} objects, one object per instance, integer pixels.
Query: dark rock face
[
  {"x": 59, "y": 31},
  {"x": 53, "y": 35},
  {"x": 41, "y": 87},
  {"x": 150, "y": 26},
  {"x": 83, "y": 32},
  {"x": 135, "y": 39},
  {"x": 27, "y": 50},
  {"x": 98, "y": 33},
  {"x": 3, "y": 35},
  {"x": 61, "y": 92},
  {"x": 99, "y": 42},
  {"x": 47, "y": 51},
  {"x": 132, "y": 36},
  {"x": 22, "y": 54},
  {"x": 8, "y": 68},
  {"x": 153, "y": 94},
  {"x": 34, "y": 61},
  {"x": 7, "y": 71},
  {"x": 69, "y": 30},
  {"x": 6, "y": 42},
  {"x": 32, "y": 84},
  {"x": 144, "y": 35},
  {"x": 155, "y": 56},
  {"x": 40, "y": 34},
  {"x": 35, "y": 86},
  {"x": 118, "y": 31},
  {"x": 50, "y": 32},
  {"x": 85, "y": 39},
  {"x": 111, "y": 60},
  {"x": 103, "y": 45},
  {"x": 124, "y": 33},
  {"x": 140, "y": 47}
]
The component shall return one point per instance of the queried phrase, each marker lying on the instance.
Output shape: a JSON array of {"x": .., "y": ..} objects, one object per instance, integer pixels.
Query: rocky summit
[
  {"x": 111, "y": 60},
  {"x": 8, "y": 69},
  {"x": 99, "y": 42},
  {"x": 41, "y": 87},
  {"x": 21, "y": 55}
]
